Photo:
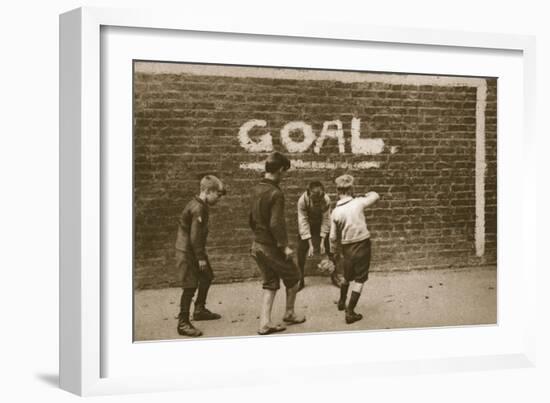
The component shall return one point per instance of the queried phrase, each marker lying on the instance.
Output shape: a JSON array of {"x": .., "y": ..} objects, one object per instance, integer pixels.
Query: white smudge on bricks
[
  {"x": 481, "y": 167},
  {"x": 315, "y": 165}
]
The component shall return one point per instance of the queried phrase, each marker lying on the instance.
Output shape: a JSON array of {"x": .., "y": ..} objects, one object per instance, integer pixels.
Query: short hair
[
  {"x": 211, "y": 182},
  {"x": 344, "y": 183},
  {"x": 276, "y": 161},
  {"x": 315, "y": 184}
]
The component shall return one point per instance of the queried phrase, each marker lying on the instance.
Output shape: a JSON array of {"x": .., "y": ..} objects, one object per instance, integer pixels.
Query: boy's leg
[
  {"x": 351, "y": 315},
  {"x": 334, "y": 276},
  {"x": 200, "y": 312},
  {"x": 348, "y": 277},
  {"x": 270, "y": 284},
  {"x": 290, "y": 275},
  {"x": 188, "y": 269},
  {"x": 303, "y": 247},
  {"x": 185, "y": 328},
  {"x": 344, "y": 287},
  {"x": 359, "y": 261},
  {"x": 290, "y": 316},
  {"x": 267, "y": 306}
]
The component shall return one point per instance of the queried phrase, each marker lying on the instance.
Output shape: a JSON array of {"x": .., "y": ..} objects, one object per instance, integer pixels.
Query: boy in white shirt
[{"x": 349, "y": 231}]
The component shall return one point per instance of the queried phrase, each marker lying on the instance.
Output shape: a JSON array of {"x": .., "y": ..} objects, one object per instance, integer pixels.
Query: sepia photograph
[{"x": 275, "y": 201}]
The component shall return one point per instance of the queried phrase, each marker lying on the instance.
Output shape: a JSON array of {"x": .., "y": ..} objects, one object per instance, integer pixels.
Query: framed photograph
[{"x": 236, "y": 197}]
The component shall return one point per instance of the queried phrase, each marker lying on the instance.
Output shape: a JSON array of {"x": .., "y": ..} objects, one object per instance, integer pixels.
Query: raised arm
[{"x": 369, "y": 199}]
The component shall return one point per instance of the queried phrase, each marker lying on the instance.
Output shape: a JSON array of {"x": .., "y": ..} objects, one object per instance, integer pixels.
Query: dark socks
[
  {"x": 353, "y": 301},
  {"x": 201, "y": 295},
  {"x": 185, "y": 303},
  {"x": 344, "y": 292}
]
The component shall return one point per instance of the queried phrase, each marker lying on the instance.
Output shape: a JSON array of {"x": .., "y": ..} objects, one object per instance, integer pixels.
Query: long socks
[
  {"x": 202, "y": 294},
  {"x": 185, "y": 303}
]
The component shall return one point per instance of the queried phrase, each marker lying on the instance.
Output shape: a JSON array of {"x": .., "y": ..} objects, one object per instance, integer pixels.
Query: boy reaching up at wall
[
  {"x": 349, "y": 232},
  {"x": 191, "y": 257}
]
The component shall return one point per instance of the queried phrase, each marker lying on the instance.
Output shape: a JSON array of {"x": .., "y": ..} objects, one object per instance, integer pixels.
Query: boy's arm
[
  {"x": 369, "y": 199},
  {"x": 277, "y": 224},
  {"x": 334, "y": 235},
  {"x": 325, "y": 225},
  {"x": 197, "y": 238},
  {"x": 303, "y": 221}
]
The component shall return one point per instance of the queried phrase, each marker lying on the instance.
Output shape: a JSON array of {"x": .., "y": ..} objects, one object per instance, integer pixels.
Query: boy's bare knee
[{"x": 294, "y": 287}]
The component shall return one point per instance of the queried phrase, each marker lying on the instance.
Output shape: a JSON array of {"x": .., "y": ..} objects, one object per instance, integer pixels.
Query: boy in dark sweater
[
  {"x": 270, "y": 248},
  {"x": 191, "y": 257}
]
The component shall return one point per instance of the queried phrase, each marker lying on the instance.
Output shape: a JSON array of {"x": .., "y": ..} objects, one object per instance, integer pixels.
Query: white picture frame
[{"x": 85, "y": 306}]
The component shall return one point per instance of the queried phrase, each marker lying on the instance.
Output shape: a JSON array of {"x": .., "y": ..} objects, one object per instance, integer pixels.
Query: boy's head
[
  {"x": 275, "y": 164},
  {"x": 316, "y": 191},
  {"x": 212, "y": 189},
  {"x": 344, "y": 184}
]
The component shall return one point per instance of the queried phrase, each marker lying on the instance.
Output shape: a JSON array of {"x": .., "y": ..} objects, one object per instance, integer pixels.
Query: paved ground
[{"x": 389, "y": 301}]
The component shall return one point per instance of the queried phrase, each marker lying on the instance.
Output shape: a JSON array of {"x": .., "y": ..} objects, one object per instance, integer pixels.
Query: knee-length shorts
[
  {"x": 188, "y": 268},
  {"x": 357, "y": 260},
  {"x": 274, "y": 266}
]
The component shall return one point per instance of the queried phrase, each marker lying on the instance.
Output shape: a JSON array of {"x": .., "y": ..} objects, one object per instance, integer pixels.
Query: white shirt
[
  {"x": 303, "y": 217},
  {"x": 348, "y": 224}
]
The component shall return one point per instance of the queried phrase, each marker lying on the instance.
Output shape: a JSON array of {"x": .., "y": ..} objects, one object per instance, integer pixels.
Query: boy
[
  {"x": 349, "y": 230},
  {"x": 314, "y": 227},
  {"x": 270, "y": 248},
  {"x": 191, "y": 257}
]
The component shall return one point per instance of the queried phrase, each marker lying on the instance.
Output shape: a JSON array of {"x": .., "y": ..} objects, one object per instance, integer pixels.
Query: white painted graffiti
[
  {"x": 294, "y": 146},
  {"x": 363, "y": 145},
  {"x": 264, "y": 144},
  {"x": 331, "y": 130},
  {"x": 314, "y": 165}
]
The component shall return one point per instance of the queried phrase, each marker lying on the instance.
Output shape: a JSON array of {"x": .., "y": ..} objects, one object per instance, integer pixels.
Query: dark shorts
[
  {"x": 357, "y": 261},
  {"x": 274, "y": 266},
  {"x": 188, "y": 267}
]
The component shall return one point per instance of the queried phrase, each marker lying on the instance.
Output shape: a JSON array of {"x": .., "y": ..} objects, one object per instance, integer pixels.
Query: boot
[
  {"x": 201, "y": 313},
  {"x": 343, "y": 296},
  {"x": 185, "y": 328},
  {"x": 352, "y": 317}
]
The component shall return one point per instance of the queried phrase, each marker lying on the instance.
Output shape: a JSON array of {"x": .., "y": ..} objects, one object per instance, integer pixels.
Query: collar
[
  {"x": 343, "y": 201},
  {"x": 201, "y": 201},
  {"x": 270, "y": 182}
]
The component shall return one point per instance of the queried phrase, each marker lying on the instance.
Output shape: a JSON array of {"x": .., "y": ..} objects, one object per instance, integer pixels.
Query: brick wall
[{"x": 187, "y": 124}]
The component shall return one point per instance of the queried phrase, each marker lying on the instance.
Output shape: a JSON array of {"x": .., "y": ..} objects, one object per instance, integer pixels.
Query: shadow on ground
[{"x": 49, "y": 379}]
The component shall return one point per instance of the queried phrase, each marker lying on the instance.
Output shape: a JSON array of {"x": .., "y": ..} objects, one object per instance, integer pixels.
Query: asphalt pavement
[{"x": 392, "y": 300}]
